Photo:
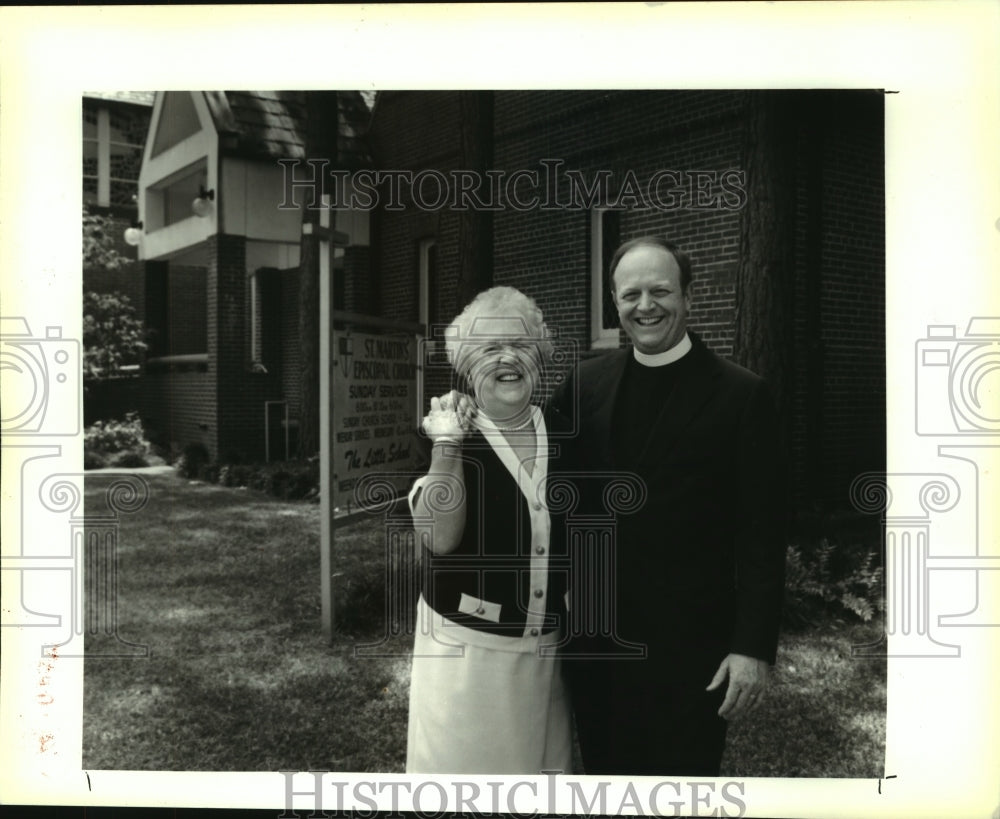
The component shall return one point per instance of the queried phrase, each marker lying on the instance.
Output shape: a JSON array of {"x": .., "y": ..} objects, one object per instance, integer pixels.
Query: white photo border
[{"x": 937, "y": 61}]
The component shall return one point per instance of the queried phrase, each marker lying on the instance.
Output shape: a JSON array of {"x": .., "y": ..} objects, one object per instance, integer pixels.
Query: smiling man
[{"x": 699, "y": 568}]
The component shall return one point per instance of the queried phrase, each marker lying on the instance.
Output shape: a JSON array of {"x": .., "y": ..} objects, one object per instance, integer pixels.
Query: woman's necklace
[{"x": 518, "y": 428}]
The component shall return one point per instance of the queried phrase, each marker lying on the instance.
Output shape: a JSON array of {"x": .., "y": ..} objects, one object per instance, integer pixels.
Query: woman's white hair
[{"x": 472, "y": 326}]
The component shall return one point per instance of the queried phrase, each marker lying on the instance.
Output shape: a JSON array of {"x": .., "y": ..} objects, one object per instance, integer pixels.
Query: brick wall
[
  {"x": 547, "y": 254},
  {"x": 291, "y": 349},
  {"x": 838, "y": 361},
  {"x": 417, "y": 132},
  {"x": 838, "y": 402},
  {"x": 187, "y": 318},
  {"x": 178, "y": 400},
  {"x": 361, "y": 293},
  {"x": 852, "y": 294},
  {"x": 178, "y": 408},
  {"x": 241, "y": 393}
]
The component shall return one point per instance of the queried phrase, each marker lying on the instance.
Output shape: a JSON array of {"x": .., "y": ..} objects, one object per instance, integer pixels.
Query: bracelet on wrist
[{"x": 444, "y": 439}]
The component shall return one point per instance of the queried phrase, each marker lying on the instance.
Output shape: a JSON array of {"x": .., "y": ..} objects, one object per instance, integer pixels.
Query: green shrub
[
  {"x": 192, "y": 459},
  {"x": 233, "y": 456},
  {"x": 235, "y": 474},
  {"x": 110, "y": 437},
  {"x": 209, "y": 473},
  {"x": 824, "y": 578},
  {"x": 129, "y": 459},
  {"x": 115, "y": 443},
  {"x": 112, "y": 336},
  {"x": 93, "y": 460},
  {"x": 288, "y": 480},
  {"x": 277, "y": 483},
  {"x": 292, "y": 480}
]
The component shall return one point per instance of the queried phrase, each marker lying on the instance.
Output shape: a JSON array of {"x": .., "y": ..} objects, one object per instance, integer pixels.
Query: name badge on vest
[{"x": 479, "y": 608}]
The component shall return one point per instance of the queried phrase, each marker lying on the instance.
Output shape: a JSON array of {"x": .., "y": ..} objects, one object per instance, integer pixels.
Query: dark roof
[{"x": 272, "y": 125}]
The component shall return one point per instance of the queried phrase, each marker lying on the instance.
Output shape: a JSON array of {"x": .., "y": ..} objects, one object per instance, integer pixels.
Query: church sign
[{"x": 375, "y": 419}]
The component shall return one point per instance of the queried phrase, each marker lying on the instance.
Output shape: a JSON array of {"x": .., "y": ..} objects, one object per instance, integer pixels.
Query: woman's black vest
[{"x": 491, "y": 562}]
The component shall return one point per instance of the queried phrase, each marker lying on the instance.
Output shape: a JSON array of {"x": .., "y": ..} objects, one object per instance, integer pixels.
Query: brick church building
[
  {"x": 563, "y": 177},
  {"x": 668, "y": 159}
]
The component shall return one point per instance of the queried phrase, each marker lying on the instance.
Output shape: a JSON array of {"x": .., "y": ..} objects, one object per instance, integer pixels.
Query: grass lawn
[
  {"x": 824, "y": 715},
  {"x": 223, "y": 585}
]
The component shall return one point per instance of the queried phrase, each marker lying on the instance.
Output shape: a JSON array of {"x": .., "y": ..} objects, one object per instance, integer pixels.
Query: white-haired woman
[{"x": 486, "y": 695}]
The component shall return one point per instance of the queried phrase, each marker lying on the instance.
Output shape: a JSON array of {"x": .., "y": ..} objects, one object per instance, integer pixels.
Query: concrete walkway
[{"x": 160, "y": 469}]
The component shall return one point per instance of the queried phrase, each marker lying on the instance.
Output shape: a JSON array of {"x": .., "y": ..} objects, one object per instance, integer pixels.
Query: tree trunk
[
  {"x": 320, "y": 143},
  {"x": 475, "y": 227},
  {"x": 764, "y": 284}
]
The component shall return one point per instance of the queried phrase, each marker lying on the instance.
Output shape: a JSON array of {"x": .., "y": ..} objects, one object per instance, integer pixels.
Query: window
[
  {"x": 428, "y": 285},
  {"x": 176, "y": 311},
  {"x": 265, "y": 319},
  {"x": 605, "y": 233},
  {"x": 339, "y": 276},
  {"x": 169, "y": 200},
  {"x": 435, "y": 376},
  {"x": 112, "y": 154},
  {"x": 90, "y": 155}
]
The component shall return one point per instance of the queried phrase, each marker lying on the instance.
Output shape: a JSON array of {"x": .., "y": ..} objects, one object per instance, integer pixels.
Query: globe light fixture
[
  {"x": 202, "y": 205},
  {"x": 133, "y": 234}
]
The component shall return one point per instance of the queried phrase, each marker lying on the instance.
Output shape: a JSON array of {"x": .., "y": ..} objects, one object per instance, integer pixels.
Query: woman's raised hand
[{"x": 450, "y": 417}]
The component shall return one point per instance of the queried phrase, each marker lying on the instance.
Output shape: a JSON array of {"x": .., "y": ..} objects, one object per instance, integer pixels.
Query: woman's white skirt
[{"x": 483, "y": 703}]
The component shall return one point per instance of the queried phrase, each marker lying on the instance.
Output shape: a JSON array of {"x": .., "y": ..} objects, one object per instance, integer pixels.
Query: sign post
[
  {"x": 328, "y": 239},
  {"x": 370, "y": 397}
]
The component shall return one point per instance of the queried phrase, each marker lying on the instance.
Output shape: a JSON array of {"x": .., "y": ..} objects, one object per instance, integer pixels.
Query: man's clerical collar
[{"x": 675, "y": 353}]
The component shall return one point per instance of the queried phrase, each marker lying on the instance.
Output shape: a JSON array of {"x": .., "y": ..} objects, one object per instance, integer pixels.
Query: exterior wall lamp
[
  {"x": 133, "y": 234},
  {"x": 201, "y": 205}
]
